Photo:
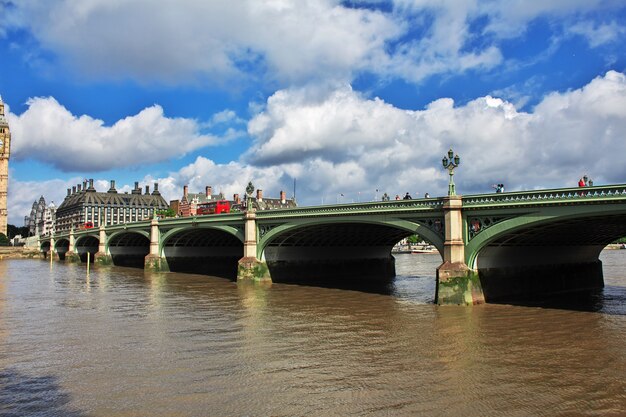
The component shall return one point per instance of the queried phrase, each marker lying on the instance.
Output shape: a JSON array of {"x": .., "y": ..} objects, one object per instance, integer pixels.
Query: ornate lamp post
[
  {"x": 249, "y": 191},
  {"x": 450, "y": 162}
]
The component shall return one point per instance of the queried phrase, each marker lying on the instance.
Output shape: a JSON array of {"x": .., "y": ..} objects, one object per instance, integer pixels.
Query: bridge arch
[
  {"x": 544, "y": 251},
  {"x": 203, "y": 249},
  {"x": 348, "y": 248},
  {"x": 129, "y": 247},
  {"x": 61, "y": 247},
  {"x": 408, "y": 227},
  {"x": 87, "y": 245}
]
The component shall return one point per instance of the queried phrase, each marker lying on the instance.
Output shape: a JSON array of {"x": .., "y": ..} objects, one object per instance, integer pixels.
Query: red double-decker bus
[
  {"x": 213, "y": 207},
  {"x": 83, "y": 226}
]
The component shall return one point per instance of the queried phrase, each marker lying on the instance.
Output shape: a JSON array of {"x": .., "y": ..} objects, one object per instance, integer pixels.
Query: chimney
[
  {"x": 185, "y": 191},
  {"x": 147, "y": 189},
  {"x": 136, "y": 190},
  {"x": 283, "y": 197},
  {"x": 78, "y": 188},
  {"x": 209, "y": 191},
  {"x": 259, "y": 195},
  {"x": 85, "y": 185},
  {"x": 112, "y": 189},
  {"x": 69, "y": 192},
  {"x": 156, "y": 189},
  {"x": 236, "y": 199},
  {"x": 91, "y": 185},
  {"x": 73, "y": 189}
]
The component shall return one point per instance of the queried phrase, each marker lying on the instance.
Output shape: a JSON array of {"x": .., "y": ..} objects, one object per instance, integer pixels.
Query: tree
[
  {"x": 4, "y": 240},
  {"x": 413, "y": 239},
  {"x": 13, "y": 231},
  {"x": 166, "y": 213}
]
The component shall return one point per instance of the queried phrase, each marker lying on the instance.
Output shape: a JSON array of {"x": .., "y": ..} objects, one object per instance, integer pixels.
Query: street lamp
[
  {"x": 450, "y": 162},
  {"x": 249, "y": 191}
]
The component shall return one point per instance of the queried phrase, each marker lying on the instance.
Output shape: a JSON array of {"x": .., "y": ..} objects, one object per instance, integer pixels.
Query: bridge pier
[
  {"x": 153, "y": 261},
  {"x": 456, "y": 283},
  {"x": 250, "y": 268},
  {"x": 70, "y": 255},
  {"x": 102, "y": 258}
]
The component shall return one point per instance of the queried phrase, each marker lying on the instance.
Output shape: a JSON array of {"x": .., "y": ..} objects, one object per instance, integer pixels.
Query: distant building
[
  {"x": 262, "y": 203},
  {"x": 35, "y": 219},
  {"x": 85, "y": 207},
  {"x": 188, "y": 204},
  {"x": 46, "y": 225}
]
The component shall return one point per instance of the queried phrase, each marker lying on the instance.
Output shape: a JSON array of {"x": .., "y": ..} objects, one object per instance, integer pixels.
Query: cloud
[
  {"x": 286, "y": 42},
  {"x": 48, "y": 132},
  {"x": 22, "y": 194},
  {"x": 345, "y": 141},
  {"x": 598, "y": 34},
  {"x": 217, "y": 42}
]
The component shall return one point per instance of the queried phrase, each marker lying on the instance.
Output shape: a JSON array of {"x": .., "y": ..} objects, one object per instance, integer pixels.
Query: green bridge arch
[
  {"x": 519, "y": 220},
  {"x": 408, "y": 226}
]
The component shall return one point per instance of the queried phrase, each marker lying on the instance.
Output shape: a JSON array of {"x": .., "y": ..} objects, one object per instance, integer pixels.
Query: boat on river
[{"x": 425, "y": 249}]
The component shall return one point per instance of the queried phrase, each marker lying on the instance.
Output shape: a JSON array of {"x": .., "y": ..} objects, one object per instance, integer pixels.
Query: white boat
[{"x": 425, "y": 249}]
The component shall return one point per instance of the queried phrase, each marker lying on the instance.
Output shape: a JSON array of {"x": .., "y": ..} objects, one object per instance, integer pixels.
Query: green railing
[
  {"x": 355, "y": 208},
  {"x": 558, "y": 195}
]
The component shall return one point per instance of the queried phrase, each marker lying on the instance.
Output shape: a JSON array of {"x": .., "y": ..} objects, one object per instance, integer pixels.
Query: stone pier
[
  {"x": 102, "y": 258},
  {"x": 250, "y": 268},
  {"x": 153, "y": 261},
  {"x": 456, "y": 283},
  {"x": 71, "y": 256}
]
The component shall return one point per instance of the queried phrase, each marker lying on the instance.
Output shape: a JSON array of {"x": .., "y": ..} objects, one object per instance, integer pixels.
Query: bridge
[{"x": 514, "y": 244}]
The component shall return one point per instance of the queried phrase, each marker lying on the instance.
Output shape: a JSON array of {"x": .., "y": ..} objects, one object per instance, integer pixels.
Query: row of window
[{"x": 92, "y": 215}]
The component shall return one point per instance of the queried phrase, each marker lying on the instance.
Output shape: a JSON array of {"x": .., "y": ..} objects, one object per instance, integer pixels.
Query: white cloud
[
  {"x": 48, "y": 132},
  {"x": 22, "y": 194},
  {"x": 286, "y": 41},
  {"x": 348, "y": 142},
  {"x": 291, "y": 40},
  {"x": 598, "y": 34}
]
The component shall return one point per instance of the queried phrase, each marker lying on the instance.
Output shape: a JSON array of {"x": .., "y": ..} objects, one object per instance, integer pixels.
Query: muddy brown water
[{"x": 123, "y": 342}]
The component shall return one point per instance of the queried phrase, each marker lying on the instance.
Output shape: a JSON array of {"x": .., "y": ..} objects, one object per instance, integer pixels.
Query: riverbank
[{"x": 18, "y": 252}]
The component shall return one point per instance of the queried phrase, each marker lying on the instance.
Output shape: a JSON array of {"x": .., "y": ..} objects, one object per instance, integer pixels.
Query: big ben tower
[{"x": 5, "y": 147}]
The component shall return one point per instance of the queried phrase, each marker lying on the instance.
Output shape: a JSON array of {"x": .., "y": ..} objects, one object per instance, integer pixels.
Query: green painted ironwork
[{"x": 486, "y": 217}]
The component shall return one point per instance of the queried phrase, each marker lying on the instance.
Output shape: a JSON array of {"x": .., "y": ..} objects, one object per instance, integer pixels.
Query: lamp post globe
[{"x": 450, "y": 163}]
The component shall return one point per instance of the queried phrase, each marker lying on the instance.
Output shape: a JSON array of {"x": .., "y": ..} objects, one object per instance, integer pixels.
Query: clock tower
[{"x": 5, "y": 147}]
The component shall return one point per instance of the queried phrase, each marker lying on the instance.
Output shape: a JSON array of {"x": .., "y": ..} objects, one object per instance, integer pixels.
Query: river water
[{"x": 124, "y": 342}]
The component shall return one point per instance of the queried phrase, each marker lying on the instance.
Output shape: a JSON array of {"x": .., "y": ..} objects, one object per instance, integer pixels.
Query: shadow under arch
[
  {"x": 129, "y": 248},
  {"x": 87, "y": 246},
  {"x": 61, "y": 247},
  {"x": 536, "y": 254},
  {"x": 203, "y": 250},
  {"x": 335, "y": 252}
]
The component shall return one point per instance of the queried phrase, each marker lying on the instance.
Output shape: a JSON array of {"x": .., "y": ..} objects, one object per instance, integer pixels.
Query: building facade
[
  {"x": 47, "y": 225},
  {"x": 5, "y": 150},
  {"x": 188, "y": 204},
  {"x": 262, "y": 203},
  {"x": 84, "y": 207},
  {"x": 35, "y": 219}
]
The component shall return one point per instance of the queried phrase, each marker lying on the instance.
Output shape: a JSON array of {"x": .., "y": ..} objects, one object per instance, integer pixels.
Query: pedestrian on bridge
[{"x": 407, "y": 196}]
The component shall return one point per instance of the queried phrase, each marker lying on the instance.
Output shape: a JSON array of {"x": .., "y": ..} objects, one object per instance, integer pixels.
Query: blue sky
[{"x": 347, "y": 97}]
